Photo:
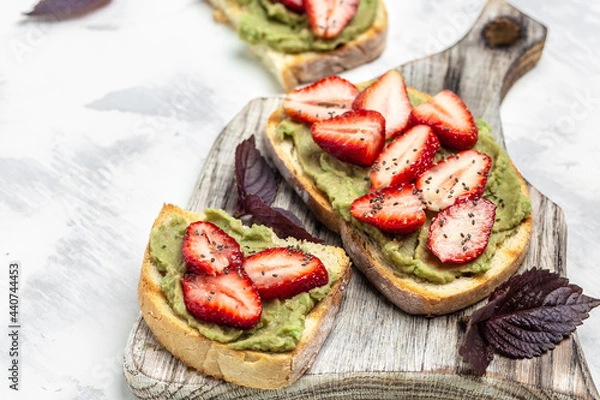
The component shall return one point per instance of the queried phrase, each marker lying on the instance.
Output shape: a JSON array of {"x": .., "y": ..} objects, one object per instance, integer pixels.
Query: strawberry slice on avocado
[
  {"x": 463, "y": 174},
  {"x": 405, "y": 158},
  {"x": 460, "y": 232},
  {"x": 387, "y": 95},
  {"x": 323, "y": 99},
  {"x": 395, "y": 209},
  {"x": 281, "y": 273},
  {"x": 228, "y": 299},
  {"x": 208, "y": 250},
  {"x": 328, "y": 18},
  {"x": 356, "y": 137},
  {"x": 449, "y": 118}
]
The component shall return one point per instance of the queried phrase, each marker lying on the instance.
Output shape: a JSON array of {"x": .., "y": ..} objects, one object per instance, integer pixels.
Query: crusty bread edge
[
  {"x": 255, "y": 369},
  {"x": 411, "y": 294},
  {"x": 292, "y": 70}
]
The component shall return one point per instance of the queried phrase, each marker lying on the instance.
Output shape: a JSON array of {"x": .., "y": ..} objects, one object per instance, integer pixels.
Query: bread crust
[
  {"x": 292, "y": 70},
  {"x": 255, "y": 369},
  {"x": 408, "y": 292}
]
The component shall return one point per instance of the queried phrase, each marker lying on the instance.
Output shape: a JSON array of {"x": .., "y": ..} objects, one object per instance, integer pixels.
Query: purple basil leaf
[
  {"x": 65, "y": 8},
  {"x": 521, "y": 340},
  {"x": 476, "y": 351},
  {"x": 526, "y": 316},
  {"x": 257, "y": 188},
  {"x": 279, "y": 221},
  {"x": 253, "y": 175},
  {"x": 530, "y": 287},
  {"x": 475, "y": 348},
  {"x": 487, "y": 311},
  {"x": 530, "y": 330}
]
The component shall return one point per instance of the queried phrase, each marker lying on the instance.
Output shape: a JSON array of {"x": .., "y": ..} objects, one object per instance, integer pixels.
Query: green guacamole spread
[
  {"x": 283, "y": 30},
  {"x": 282, "y": 321},
  {"x": 343, "y": 183}
]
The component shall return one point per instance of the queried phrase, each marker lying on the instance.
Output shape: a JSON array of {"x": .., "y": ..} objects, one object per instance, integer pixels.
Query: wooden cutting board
[{"x": 375, "y": 350}]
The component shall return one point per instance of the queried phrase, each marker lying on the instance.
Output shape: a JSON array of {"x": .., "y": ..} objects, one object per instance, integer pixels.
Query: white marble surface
[{"x": 104, "y": 118}]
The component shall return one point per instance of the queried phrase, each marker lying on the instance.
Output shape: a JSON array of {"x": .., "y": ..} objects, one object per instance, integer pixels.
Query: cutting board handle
[
  {"x": 506, "y": 42},
  {"x": 502, "y": 45}
]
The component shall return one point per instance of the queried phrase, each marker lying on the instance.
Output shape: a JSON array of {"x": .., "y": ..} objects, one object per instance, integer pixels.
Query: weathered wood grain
[{"x": 374, "y": 349}]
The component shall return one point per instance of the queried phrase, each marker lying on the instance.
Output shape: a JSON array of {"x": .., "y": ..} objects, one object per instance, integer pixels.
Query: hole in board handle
[{"x": 502, "y": 32}]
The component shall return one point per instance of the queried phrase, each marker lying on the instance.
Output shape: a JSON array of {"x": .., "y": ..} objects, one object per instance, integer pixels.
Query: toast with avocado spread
[
  {"x": 428, "y": 206},
  {"x": 303, "y": 41},
  {"x": 239, "y": 303}
]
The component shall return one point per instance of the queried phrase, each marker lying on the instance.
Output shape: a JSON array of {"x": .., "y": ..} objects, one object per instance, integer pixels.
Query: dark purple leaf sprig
[
  {"x": 525, "y": 316},
  {"x": 253, "y": 175},
  {"x": 63, "y": 9},
  {"x": 257, "y": 187}
]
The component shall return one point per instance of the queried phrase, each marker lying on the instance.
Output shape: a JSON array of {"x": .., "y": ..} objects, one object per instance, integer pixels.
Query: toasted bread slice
[
  {"x": 255, "y": 369},
  {"x": 410, "y": 293},
  {"x": 292, "y": 70}
]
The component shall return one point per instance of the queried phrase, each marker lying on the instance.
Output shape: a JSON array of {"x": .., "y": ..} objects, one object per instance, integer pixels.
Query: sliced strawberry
[
  {"x": 208, "y": 250},
  {"x": 460, "y": 232},
  {"x": 327, "y": 18},
  {"x": 294, "y": 5},
  {"x": 450, "y": 119},
  {"x": 405, "y": 158},
  {"x": 323, "y": 99},
  {"x": 387, "y": 95},
  {"x": 229, "y": 299},
  {"x": 356, "y": 137},
  {"x": 281, "y": 273},
  {"x": 463, "y": 174},
  {"x": 395, "y": 209}
]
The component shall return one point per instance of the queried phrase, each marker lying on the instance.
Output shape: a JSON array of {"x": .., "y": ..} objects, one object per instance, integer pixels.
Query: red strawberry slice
[
  {"x": 356, "y": 137},
  {"x": 281, "y": 273},
  {"x": 229, "y": 299},
  {"x": 450, "y": 119},
  {"x": 405, "y": 158},
  {"x": 387, "y": 95},
  {"x": 463, "y": 174},
  {"x": 396, "y": 209},
  {"x": 208, "y": 250},
  {"x": 327, "y": 18},
  {"x": 323, "y": 99},
  {"x": 460, "y": 233},
  {"x": 294, "y": 5}
]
